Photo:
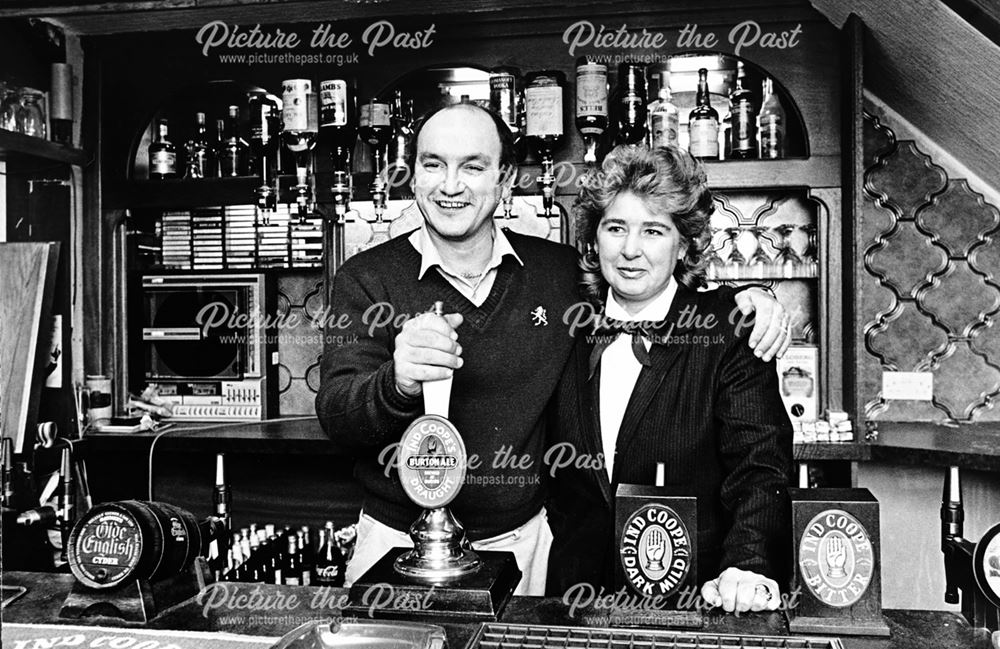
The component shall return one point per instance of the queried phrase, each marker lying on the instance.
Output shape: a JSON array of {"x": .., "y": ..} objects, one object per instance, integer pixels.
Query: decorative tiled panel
[
  {"x": 905, "y": 339},
  {"x": 904, "y": 179},
  {"x": 300, "y": 342},
  {"x": 960, "y": 299},
  {"x": 928, "y": 294},
  {"x": 958, "y": 218},
  {"x": 905, "y": 259}
]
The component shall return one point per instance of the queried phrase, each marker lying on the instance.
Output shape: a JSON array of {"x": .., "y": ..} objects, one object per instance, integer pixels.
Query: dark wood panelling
[{"x": 934, "y": 69}]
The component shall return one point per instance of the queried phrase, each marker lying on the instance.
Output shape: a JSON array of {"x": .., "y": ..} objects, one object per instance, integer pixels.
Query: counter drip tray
[{"x": 523, "y": 636}]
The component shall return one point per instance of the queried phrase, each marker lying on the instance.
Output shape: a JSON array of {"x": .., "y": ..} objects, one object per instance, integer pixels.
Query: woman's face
[{"x": 637, "y": 250}]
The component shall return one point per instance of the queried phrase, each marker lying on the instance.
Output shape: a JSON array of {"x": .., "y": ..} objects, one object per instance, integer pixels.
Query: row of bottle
[
  {"x": 657, "y": 123},
  {"x": 288, "y": 557},
  {"x": 227, "y": 155},
  {"x": 294, "y": 117}
]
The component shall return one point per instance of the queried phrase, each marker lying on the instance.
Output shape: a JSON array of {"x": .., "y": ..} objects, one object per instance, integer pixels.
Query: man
[{"x": 495, "y": 286}]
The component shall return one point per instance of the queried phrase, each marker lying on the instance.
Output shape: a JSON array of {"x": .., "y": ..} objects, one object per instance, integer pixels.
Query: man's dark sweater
[{"x": 514, "y": 348}]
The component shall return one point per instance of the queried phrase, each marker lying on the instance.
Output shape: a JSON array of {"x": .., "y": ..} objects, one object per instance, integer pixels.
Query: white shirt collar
[
  {"x": 421, "y": 240},
  {"x": 655, "y": 311}
]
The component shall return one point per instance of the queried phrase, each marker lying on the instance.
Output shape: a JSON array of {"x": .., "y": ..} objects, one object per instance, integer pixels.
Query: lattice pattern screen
[{"x": 928, "y": 285}]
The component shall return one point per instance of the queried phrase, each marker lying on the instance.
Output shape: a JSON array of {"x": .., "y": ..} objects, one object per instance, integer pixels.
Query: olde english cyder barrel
[{"x": 132, "y": 539}]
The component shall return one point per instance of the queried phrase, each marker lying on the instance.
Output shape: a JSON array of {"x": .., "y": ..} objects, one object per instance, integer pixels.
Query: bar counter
[{"x": 46, "y": 592}]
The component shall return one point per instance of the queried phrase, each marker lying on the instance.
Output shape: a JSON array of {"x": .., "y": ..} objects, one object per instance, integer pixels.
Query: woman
[{"x": 690, "y": 394}]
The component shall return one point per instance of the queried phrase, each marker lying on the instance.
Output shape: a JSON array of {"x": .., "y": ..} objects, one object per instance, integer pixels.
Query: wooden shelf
[
  {"x": 971, "y": 446},
  {"x": 822, "y": 451},
  {"x": 817, "y": 171},
  {"x": 181, "y": 193},
  {"x": 17, "y": 147},
  {"x": 283, "y": 436}
]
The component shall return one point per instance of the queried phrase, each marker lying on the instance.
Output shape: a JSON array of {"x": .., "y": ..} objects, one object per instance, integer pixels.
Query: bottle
[
  {"x": 234, "y": 157},
  {"x": 507, "y": 100},
  {"x": 771, "y": 124},
  {"x": 631, "y": 103},
  {"x": 505, "y": 96},
  {"x": 663, "y": 122},
  {"x": 591, "y": 104},
  {"x": 274, "y": 561},
  {"x": 330, "y": 562},
  {"x": 298, "y": 115},
  {"x": 703, "y": 123},
  {"x": 162, "y": 154},
  {"x": 375, "y": 128},
  {"x": 338, "y": 105},
  {"x": 264, "y": 159},
  {"x": 307, "y": 557},
  {"x": 198, "y": 151},
  {"x": 743, "y": 136},
  {"x": 402, "y": 121},
  {"x": 219, "y": 147},
  {"x": 265, "y": 127},
  {"x": 543, "y": 107},
  {"x": 291, "y": 568}
]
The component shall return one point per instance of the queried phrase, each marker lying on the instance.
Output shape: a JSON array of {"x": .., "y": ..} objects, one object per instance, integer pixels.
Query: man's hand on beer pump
[{"x": 427, "y": 349}]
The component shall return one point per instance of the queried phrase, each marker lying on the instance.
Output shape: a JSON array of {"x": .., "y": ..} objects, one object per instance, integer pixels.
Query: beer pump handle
[
  {"x": 803, "y": 475},
  {"x": 220, "y": 532},
  {"x": 67, "y": 497},
  {"x": 437, "y": 394},
  {"x": 952, "y": 529}
]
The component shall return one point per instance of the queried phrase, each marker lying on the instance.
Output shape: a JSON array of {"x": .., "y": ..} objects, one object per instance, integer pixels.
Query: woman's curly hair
[{"x": 669, "y": 181}]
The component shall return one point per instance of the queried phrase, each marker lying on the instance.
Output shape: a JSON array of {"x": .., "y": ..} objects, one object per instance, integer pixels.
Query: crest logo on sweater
[
  {"x": 540, "y": 317},
  {"x": 655, "y": 550},
  {"x": 432, "y": 461},
  {"x": 836, "y": 558}
]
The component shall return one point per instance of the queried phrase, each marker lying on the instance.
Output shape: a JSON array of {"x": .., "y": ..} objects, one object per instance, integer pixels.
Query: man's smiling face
[{"x": 457, "y": 180}]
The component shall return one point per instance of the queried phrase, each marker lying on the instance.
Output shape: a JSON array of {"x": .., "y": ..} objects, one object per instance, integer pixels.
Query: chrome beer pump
[
  {"x": 441, "y": 570},
  {"x": 432, "y": 466},
  {"x": 972, "y": 568}
]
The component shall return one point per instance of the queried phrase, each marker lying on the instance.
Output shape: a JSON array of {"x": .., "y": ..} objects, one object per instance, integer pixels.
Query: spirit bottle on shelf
[
  {"x": 591, "y": 105},
  {"x": 632, "y": 101},
  {"x": 265, "y": 128},
  {"x": 235, "y": 150},
  {"x": 338, "y": 131},
  {"x": 664, "y": 118},
  {"x": 703, "y": 123},
  {"x": 301, "y": 125},
  {"x": 337, "y": 125},
  {"x": 507, "y": 100},
  {"x": 162, "y": 153},
  {"x": 543, "y": 102},
  {"x": 198, "y": 151},
  {"x": 399, "y": 143},
  {"x": 743, "y": 135},
  {"x": 771, "y": 124},
  {"x": 375, "y": 128}
]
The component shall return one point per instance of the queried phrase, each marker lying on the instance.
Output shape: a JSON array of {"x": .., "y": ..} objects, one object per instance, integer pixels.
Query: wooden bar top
[{"x": 269, "y": 610}]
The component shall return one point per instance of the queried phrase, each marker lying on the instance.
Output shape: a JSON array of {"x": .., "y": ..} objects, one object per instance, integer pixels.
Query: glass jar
[
  {"x": 31, "y": 114},
  {"x": 10, "y": 102}
]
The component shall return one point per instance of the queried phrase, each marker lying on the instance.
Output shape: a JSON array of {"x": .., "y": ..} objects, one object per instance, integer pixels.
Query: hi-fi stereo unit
[{"x": 209, "y": 344}]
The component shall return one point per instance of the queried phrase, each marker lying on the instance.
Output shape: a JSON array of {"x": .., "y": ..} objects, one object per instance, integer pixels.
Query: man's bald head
[{"x": 508, "y": 154}]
